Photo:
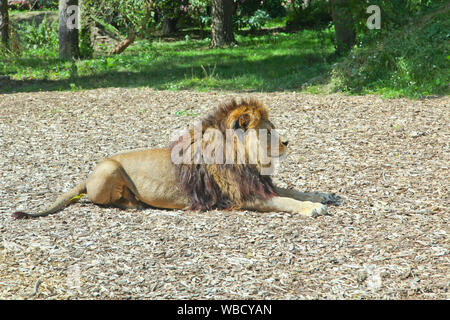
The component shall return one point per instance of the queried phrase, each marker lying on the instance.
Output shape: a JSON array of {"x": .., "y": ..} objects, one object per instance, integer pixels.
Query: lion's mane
[{"x": 224, "y": 186}]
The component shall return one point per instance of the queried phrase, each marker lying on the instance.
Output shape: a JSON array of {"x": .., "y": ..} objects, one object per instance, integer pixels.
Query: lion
[{"x": 157, "y": 178}]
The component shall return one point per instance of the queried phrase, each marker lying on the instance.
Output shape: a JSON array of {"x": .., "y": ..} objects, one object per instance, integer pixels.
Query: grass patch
[{"x": 268, "y": 62}]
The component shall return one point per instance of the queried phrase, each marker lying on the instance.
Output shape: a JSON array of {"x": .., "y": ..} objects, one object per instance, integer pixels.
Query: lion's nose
[{"x": 285, "y": 143}]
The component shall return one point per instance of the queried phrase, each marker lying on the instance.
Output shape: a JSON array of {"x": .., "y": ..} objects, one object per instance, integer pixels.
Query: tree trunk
[
  {"x": 344, "y": 25},
  {"x": 222, "y": 23},
  {"x": 68, "y": 29},
  {"x": 4, "y": 22}
]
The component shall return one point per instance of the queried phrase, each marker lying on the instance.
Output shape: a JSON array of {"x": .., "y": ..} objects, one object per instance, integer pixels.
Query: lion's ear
[{"x": 242, "y": 122}]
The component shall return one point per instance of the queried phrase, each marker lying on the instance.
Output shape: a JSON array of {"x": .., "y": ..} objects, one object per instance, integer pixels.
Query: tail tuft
[{"x": 20, "y": 215}]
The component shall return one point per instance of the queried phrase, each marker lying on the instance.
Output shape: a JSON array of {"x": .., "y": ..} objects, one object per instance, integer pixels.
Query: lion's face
[
  {"x": 272, "y": 138},
  {"x": 262, "y": 140}
]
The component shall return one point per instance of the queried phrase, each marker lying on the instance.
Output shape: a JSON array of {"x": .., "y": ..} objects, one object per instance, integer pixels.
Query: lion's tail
[{"x": 71, "y": 196}]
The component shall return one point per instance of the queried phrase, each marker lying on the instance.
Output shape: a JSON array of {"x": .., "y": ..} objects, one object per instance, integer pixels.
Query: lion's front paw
[
  {"x": 314, "y": 210},
  {"x": 330, "y": 198}
]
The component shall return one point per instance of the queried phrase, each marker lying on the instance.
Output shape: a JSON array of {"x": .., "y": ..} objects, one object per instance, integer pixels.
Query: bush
[
  {"x": 38, "y": 39},
  {"x": 257, "y": 20},
  {"x": 395, "y": 14},
  {"x": 255, "y": 14},
  {"x": 411, "y": 61}
]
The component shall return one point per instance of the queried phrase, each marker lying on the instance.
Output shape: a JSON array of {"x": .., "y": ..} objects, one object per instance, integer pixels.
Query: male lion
[{"x": 152, "y": 178}]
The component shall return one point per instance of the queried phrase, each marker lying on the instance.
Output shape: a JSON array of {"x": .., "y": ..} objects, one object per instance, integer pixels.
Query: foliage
[
  {"x": 316, "y": 15},
  {"x": 256, "y": 21},
  {"x": 133, "y": 14},
  {"x": 39, "y": 39},
  {"x": 46, "y": 4},
  {"x": 255, "y": 14},
  {"x": 394, "y": 13},
  {"x": 408, "y": 56},
  {"x": 19, "y": 4},
  {"x": 411, "y": 61},
  {"x": 171, "y": 8},
  {"x": 275, "y": 8},
  {"x": 196, "y": 12},
  {"x": 126, "y": 15},
  {"x": 33, "y": 4}
]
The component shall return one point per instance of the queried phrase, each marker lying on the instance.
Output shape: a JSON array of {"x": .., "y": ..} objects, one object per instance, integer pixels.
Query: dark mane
[{"x": 202, "y": 182}]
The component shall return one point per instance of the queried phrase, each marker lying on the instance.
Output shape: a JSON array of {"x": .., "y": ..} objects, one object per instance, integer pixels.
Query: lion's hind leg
[
  {"x": 109, "y": 184},
  {"x": 128, "y": 200}
]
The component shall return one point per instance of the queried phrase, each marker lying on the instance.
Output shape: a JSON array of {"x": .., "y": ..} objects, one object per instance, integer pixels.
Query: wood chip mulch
[{"x": 388, "y": 160}]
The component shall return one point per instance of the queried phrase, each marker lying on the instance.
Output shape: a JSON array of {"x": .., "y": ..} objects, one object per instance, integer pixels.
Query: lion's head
[
  {"x": 250, "y": 120},
  {"x": 225, "y": 160}
]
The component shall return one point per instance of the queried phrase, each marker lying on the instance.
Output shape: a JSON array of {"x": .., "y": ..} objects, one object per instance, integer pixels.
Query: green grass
[{"x": 282, "y": 61}]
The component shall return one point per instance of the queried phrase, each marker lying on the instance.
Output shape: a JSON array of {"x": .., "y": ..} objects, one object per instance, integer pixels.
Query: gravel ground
[{"x": 387, "y": 159}]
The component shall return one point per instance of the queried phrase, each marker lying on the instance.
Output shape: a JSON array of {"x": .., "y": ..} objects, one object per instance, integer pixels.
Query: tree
[
  {"x": 136, "y": 16},
  {"x": 344, "y": 25},
  {"x": 4, "y": 22},
  {"x": 68, "y": 29},
  {"x": 222, "y": 23}
]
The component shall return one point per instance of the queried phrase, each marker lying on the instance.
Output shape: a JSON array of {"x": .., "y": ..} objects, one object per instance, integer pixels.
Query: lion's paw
[
  {"x": 315, "y": 210},
  {"x": 329, "y": 198}
]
